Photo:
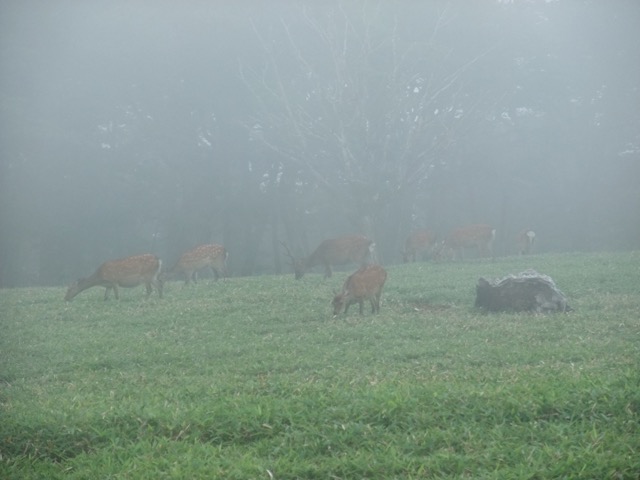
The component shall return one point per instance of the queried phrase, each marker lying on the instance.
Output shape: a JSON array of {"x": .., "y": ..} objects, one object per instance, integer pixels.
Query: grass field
[{"x": 253, "y": 378}]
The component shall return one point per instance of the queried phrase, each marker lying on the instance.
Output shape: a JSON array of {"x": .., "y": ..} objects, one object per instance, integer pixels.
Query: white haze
[{"x": 132, "y": 127}]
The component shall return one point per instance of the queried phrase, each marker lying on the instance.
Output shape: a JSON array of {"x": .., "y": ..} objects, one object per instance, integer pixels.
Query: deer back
[
  {"x": 334, "y": 251},
  {"x": 366, "y": 282},
  {"x": 210, "y": 255},
  {"x": 416, "y": 242},
  {"x": 471, "y": 236},
  {"x": 123, "y": 272},
  {"x": 340, "y": 251}
]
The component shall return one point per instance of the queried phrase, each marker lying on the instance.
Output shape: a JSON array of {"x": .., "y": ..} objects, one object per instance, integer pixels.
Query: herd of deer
[
  {"x": 364, "y": 284},
  {"x": 133, "y": 271}
]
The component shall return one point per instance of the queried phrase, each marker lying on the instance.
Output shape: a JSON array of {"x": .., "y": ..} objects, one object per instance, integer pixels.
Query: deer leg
[
  {"x": 327, "y": 271},
  {"x": 159, "y": 285}
]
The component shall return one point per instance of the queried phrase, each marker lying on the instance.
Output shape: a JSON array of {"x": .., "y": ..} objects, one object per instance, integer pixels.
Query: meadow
[{"x": 252, "y": 378}]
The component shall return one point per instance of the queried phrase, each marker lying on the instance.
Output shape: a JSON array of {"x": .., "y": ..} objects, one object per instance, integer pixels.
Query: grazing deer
[
  {"x": 365, "y": 283},
  {"x": 418, "y": 242},
  {"x": 525, "y": 241},
  {"x": 478, "y": 237},
  {"x": 334, "y": 251},
  {"x": 126, "y": 272},
  {"x": 213, "y": 256}
]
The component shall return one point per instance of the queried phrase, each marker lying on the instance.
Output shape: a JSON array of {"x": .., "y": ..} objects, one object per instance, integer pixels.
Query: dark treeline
[{"x": 133, "y": 127}]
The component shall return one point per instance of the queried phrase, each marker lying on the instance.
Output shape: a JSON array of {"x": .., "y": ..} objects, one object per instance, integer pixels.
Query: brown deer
[
  {"x": 365, "y": 283},
  {"x": 334, "y": 251},
  {"x": 212, "y": 255},
  {"x": 525, "y": 241},
  {"x": 126, "y": 272},
  {"x": 479, "y": 237},
  {"x": 417, "y": 243}
]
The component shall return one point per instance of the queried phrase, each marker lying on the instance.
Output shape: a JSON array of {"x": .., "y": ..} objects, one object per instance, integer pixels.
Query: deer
[
  {"x": 126, "y": 272},
  {"x": 212, "y": 255},
  {"x": 418, "y": 242},
  {"x": 365, "y": 283},
  {"x": 334, "y": 251},
  {"x": 479, "y": 237},
  {"x": 525, "y": 241}
]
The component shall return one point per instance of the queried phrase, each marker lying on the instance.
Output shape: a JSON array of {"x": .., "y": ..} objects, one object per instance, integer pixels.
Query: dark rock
[{"x": 528, "y": 291}]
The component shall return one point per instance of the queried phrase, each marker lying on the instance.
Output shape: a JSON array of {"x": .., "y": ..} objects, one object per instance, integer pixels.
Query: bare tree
[{"x": 360, "y": 104}]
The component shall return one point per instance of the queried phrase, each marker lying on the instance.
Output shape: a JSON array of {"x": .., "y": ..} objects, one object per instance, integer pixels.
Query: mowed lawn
[{"x": 253, "y": 378}]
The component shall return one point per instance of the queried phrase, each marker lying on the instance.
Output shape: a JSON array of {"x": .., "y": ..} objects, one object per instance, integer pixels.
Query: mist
[{"x": 152, "y": 127}]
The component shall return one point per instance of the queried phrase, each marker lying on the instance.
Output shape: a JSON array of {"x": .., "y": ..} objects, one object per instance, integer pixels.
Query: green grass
[{"x": 253, "y": 378}]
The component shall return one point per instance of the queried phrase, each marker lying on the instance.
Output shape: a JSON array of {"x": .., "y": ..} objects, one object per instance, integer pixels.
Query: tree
[{"x": 364, "y": 105}]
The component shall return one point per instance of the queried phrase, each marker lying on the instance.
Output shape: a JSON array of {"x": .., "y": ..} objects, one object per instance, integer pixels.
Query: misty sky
[{"x": 130, "y": 127}]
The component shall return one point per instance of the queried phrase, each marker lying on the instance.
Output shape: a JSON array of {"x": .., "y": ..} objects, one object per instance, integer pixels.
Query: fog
[{"x": 134, "y": 127}]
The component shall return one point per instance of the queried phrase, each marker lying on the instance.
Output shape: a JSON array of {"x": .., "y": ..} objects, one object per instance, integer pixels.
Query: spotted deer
[
  {"x": 190, "y": 262},
  {"x": 335, "y": 251},
  {"x": 364, "y": 284},
  {"x": 126, "y": 272},
  {"x": 419, "y": 242},
  {"x": 473, "y": 237}
]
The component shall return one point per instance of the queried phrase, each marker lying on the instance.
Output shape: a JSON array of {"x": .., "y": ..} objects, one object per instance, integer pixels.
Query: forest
[{"x": 152, "y": 127}]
